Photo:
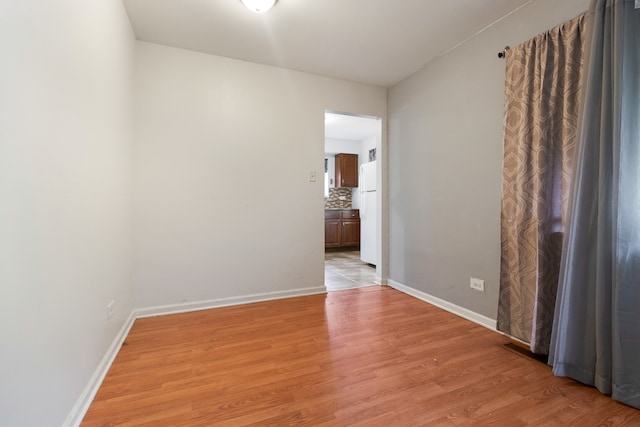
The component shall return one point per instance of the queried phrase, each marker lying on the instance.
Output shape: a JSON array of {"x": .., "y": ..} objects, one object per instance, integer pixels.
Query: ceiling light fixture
[{"x": 259, "y": 6}]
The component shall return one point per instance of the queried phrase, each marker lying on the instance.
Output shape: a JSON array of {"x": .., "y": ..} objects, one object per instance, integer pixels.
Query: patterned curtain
[{"x": 542, "y": 90}]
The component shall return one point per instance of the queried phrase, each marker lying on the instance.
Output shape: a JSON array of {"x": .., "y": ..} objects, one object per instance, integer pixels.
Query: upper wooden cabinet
[{"x": 346, "y": 170}]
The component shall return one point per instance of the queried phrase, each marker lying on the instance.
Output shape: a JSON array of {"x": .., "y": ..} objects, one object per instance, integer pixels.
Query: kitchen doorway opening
[{"x": 352, "y": 207}]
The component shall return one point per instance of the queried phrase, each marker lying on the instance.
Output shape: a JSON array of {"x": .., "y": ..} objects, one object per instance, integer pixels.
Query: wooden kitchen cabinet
[
  {"x": 346, "y": 170},
  {"x": 350, "y": 233},
  {"x": 341, "y": 228},
  {"x": 332, "y": 229}
]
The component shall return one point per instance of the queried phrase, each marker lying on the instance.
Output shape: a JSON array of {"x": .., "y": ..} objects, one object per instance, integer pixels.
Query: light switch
[{"x": 312, "y": 176}]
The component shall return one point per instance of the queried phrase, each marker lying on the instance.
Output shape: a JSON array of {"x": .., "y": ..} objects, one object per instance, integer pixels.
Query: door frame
[{"x": 382, "y": 207}]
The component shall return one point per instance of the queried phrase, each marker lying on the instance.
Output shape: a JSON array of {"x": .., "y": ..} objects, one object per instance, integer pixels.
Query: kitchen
[{"x": 351, "y": 207}]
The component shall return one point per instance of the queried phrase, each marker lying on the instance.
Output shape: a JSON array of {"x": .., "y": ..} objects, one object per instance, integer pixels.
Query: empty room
[{"x": 319, "y": 213}]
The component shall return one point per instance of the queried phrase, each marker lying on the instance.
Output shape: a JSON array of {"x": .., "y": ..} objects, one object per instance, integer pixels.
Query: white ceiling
[
  {"x": 378, "y": 42},
  {"x": 353, "y": 128}
]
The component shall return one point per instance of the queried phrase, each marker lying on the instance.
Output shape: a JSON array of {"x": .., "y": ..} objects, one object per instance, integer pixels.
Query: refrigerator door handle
[{"x": 361, "y": 189}]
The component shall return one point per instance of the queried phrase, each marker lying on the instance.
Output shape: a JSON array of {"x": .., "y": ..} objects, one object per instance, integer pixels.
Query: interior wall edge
[
  {"x": 164, "y": 310},
  {"x": 465, "y": 313},
  {"x": 74, "y": 419}
]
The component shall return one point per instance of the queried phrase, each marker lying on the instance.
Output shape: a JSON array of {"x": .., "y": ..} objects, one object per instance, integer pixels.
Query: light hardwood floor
[{"x": 362, "y": 357}]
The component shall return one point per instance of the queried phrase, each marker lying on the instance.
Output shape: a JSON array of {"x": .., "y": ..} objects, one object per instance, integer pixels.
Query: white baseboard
[
  {"x": 465, "y": 313},
  {"x": 225, "y": 302},
  {"x": 89, "y": 393},
  {"x": 82, "y": 405}
]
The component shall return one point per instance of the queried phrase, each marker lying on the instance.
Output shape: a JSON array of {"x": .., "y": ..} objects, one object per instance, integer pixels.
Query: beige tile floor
[{"x": 345, "y": 270}]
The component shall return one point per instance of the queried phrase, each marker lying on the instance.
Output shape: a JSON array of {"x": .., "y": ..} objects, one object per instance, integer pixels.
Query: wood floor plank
[{"x": 368, "y": 356}]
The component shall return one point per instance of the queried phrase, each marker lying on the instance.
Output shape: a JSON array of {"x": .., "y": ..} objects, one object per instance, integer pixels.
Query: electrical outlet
[
  {"x": 477, "y": 284},
  {"x": 110, "y": 309}
]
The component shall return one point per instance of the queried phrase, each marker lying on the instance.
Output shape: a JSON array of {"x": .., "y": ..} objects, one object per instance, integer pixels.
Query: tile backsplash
[{"x": 333, "y": 201}]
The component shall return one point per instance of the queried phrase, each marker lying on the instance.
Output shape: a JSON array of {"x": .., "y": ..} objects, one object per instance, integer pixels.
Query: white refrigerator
[{"x": 368, "y": 210}]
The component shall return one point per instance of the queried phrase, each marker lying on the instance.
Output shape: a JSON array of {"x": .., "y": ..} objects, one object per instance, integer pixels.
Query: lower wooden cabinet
[
  {"x": 332, "y": 233},
  {"x": 350, "y": 233},
  {"x": 341, "y": 228}
]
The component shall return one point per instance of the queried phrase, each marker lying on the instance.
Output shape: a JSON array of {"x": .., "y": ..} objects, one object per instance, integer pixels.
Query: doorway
[{"x": 352, "y": 209}]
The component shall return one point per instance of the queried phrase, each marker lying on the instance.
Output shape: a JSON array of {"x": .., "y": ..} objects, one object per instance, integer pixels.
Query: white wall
[
  {"x": 214, "y": 218},
  {"x": 65, "y": 202},
  {"x": 366, "y": 145},
  {"x": 363, "y": 157},
  {"x": 445, "y": 151},
  {"x": 336, "y": 146},
  {"x": 331, "y": 169}
]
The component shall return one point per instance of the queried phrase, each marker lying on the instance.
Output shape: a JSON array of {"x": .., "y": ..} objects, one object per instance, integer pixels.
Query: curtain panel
[
  {"x": 596, "y": 333},
  {"x": 542, "y": 95}
]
